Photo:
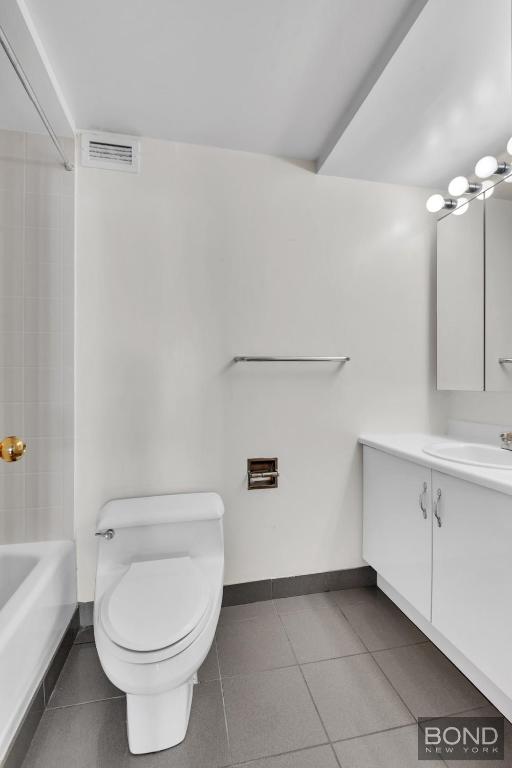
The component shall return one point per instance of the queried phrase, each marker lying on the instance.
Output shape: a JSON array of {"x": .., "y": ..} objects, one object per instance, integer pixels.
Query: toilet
[{"x": 158, "y": 596}]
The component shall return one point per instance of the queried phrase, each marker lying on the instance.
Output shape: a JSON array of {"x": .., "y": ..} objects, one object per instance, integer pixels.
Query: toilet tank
[
  {"x": 156, "y": 510},
  {"x": 161, "y": 526}
]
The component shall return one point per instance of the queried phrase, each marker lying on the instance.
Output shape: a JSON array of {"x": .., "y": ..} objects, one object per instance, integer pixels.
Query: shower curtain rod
[{"x": 9, "y": 52}]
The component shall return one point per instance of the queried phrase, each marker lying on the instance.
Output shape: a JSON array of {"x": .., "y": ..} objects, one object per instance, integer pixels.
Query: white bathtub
[{"x": 37, "y": 601}]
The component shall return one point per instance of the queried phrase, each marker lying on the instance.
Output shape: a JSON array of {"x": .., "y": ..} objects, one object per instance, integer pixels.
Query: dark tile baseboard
[
  {"x": 254, "y": 591},
  {"x": 291, "y": 586},
  {"x": 86, "y": 614},
  {"x": 26, "y": 730}
]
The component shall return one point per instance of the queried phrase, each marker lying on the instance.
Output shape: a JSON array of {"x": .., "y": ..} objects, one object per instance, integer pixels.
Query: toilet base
[{"x": 160, "y": 721}]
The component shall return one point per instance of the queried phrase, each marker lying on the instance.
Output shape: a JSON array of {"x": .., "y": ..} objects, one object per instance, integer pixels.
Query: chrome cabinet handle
[
  {"x": 422, "y": 500},
  {"x": 107, "y": 534},
  {"x": 436, "y": 508}
]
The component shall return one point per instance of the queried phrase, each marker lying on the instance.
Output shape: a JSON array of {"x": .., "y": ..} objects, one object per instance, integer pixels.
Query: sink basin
[{"x": 477, "y": 454}]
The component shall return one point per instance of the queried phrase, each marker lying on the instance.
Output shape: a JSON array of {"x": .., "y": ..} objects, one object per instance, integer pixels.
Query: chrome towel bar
[
  {"x": 503, "y": 360},
  {"x": 269, "y": 359}
]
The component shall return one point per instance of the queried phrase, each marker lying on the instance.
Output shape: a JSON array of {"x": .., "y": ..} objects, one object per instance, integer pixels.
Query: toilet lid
[{"x": 155, "y": 604}]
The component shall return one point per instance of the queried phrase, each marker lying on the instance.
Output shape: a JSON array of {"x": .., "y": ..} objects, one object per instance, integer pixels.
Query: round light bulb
[
  {"x": 435, "y": 203},
  {"x": 458, "y": 186},
  {"x": 487, "y": 190},
  {"x": 462, "y": 206},
  {"x": 509, "y": 146},
  {"x": 486, "y": 166}
]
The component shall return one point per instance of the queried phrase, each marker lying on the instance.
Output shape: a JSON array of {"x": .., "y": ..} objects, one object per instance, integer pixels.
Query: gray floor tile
[
  {"x": 358, "y": 595},
  {"x": 429, "y": 684},
  {"x": 253, "y": 645},
  {"x": 94, "y": 736},
  {"x": 380, "y": 624},
  {"x": 209, "y": 669},
  {"x": 321, "y": 634},
  {"x": 353, "y": 697},
  {"x": 317, "y": 757},
  {"x": 304, "y": 602},
  {"x": 269, "y": 713},
  {"x": 82, "y": 679},
  {"x": 389, "y": 749},
  {"x": 247, "y": 611}
]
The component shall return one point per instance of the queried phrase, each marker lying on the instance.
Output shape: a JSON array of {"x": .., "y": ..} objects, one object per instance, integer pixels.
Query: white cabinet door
[
  {"x": 397, "y": 525},
  {"x": 472, "y": 575}
]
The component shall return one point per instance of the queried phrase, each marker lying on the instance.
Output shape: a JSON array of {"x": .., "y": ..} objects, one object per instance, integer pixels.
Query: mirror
[
  {"x": 498, "y": 284},
  {"x": 474, "y": 310}
]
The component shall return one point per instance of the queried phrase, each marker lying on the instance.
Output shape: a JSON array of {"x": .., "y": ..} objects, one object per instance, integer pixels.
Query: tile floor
[{"x": 317, "y": 681}]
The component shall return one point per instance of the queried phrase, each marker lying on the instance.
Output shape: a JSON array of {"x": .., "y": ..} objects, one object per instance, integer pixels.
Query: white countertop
[{"x": 409, "y": 446}]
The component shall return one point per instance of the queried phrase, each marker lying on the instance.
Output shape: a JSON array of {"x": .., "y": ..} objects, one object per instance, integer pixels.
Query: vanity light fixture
[
  {"x": 489, "y": 166},
  {"x": 461, "y": 184},
  {"x": 462, "y": 206},
  {"x": 436, "y": 203},
  {"x": 487, "y": 190}
]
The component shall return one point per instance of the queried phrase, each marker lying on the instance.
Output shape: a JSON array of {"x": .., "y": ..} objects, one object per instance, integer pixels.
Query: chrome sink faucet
[{"x": 506, "y": 440}]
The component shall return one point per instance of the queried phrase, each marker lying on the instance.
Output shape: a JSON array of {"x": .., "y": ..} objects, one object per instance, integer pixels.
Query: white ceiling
[
  {"x": 271, "y": 76},
  {"x": 16, "y": 110},
  {"x": 403, "y": 91},
  {"x": 443, "y": 101}
]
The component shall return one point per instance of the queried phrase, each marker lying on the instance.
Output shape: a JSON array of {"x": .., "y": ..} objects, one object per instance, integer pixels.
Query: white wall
[
  {"x": 36, "y": 337},
  {"x": 209, "y": 253},
  {"x": 486, "y": 407}
]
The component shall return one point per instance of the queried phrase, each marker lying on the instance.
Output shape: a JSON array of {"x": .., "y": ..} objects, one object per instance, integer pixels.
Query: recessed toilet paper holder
[{"x": 261, "y": 473}]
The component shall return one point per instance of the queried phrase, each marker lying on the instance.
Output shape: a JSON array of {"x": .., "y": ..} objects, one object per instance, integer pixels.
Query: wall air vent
[{"x": 114, "y": 152}]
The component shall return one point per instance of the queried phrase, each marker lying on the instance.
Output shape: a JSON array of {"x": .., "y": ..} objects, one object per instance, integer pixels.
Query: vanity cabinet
[
  {"x": 472, "y": 575},
  {"x": 451, "y": 563},
  {"x": 397, "y": 525}
]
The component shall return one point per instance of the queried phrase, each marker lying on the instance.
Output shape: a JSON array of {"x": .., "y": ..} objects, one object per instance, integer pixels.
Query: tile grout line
[
  {"x": 291, "y": 666},
  {"x": 368, "y": 652},
  {"x": 304, "y": 678},
  {"x": 22, "y": 385},
  {"x": 223, "y": 701},
  {"x": 422, "y": 642},
  {"x": 254, "y": 760},
  {"x": 393, "y": 687},
  {"x": 83, "y": 703},
  {"x": 428, "y": 642},
  {"x": 335, "y": 754},
  {"x": 351, "y": 625},
  {"x": 377, "y": 733},
  {"x": 374, "y": 733}
]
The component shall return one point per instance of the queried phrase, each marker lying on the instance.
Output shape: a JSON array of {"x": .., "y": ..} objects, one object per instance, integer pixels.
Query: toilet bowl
[{"x": 157, "y": 603}]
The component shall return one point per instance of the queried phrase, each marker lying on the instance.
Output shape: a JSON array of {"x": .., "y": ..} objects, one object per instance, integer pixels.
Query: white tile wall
[
  {"x": 36, "y": 337},
  {"x": 11, "y": 348}
]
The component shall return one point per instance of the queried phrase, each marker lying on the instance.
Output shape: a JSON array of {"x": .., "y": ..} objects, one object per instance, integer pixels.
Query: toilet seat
[{"x": 156, "y": 607}]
